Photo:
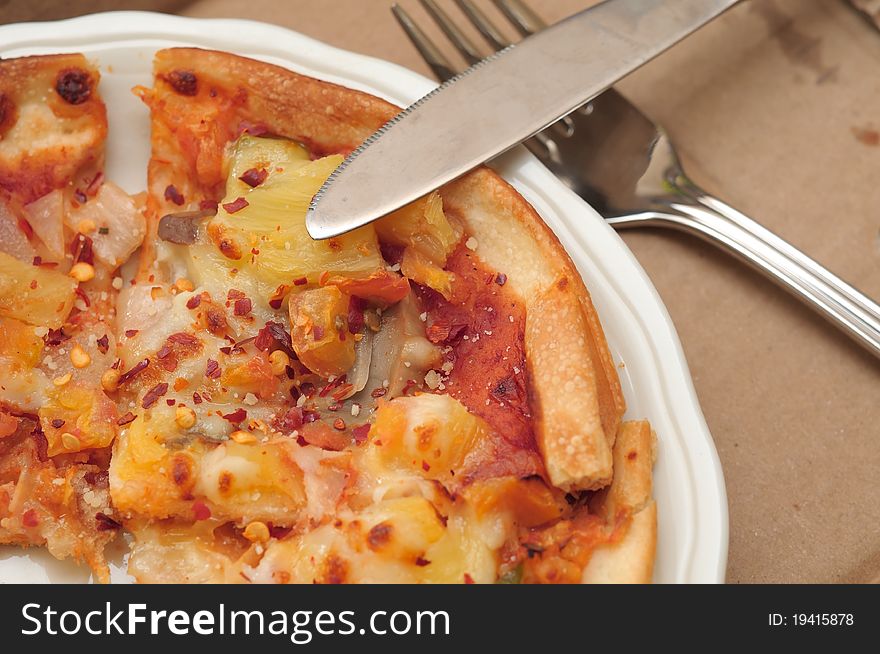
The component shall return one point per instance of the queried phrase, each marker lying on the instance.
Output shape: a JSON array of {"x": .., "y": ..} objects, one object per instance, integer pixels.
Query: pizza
[{"x": 426, "y": 399}]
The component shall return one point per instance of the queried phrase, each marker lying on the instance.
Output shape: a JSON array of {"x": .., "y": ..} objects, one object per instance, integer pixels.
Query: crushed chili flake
[
  {"x": 37, "y": 260},
  {"x": 307, "y": 389},
  {"x": 317, "y": 332},
  {"x": 242, "y": 307},
  {"x": 212, "y": 369},
  {"x": 207, "y": 205},
  {"x": 310, "y": 416},
  {"x": 234, "y": 294},
  {"x": 378, "y": 392},
  {"x": 171, "y": 402},
  {"x": 152, "y": 396},
  {"x": 330, "y": 386},
  {"x": 356, "y": 308},
  {"x": 253, "y": 177},
  {"x": 126, "y": 419},
  {"x": 292, "y": 420},
  {"x": 360, "y": 433},
  {"x": 197, "y": 399},
  {"x": 422, "y": 562},
  {"x": 339, "y": 424},
  {"x": 131, "y": 333},
  {"x": 194, "y": 302},
  {"x": 501, "y": 279},
  {"x": 201, "y": 510},
  {"x": 279, "y": 532},
  {"x": 468, "y": 579},
  {"x": 237, "y": 204},
  {"x": 57, "y": 423},
  {"x": 33, "y": 284},
  {"x": 226, "y": 350},
  {"x": 103, "y": 344},
  {"x": 342, "y": 392},
  {"x": 95, "y": 184},
  {"x": 237, "y": 416},
  {"x": 29, "y": 518},
  {"x": 300, "y": 281},
  {"x": 173, "y": 195},
  {"x": 182, "y": 338},
  {"x": 134, "y": 371},
  {"x": 274, "y": 337},
  {"x": 163, "y": 352},
  {"x": 55, "y": 337},
  {"x": 425, "y": 466},
  {"x": 105, "y": 523}
]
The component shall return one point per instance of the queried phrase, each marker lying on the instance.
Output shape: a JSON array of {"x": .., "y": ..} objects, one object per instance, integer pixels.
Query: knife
[{"x": 498, "y": 103}]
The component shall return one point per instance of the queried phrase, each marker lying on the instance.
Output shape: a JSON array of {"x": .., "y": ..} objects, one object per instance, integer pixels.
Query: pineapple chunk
[
  {"x": 265, "y": 241},
  {"x": 319, "y": 330},
  {"x": 35, "y": 295},
  {"x": 402, "y": 528},
  {"x": 158, "y": 472},
  {"x": 423, "y": 226},
  {"x": 19, "y": 343},
  {"x": 85, "y": 419},
  {"x": 419, "y": 268},
  {"x": 429, "y": 434}
]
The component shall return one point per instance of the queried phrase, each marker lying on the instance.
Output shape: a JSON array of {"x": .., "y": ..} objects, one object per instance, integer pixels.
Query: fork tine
[
  {"x": 458, "y": 38},
  {"x": 435, "y": 59},
  {"x": 523, "y": 17},
  {"x": 483, "y": 24}
]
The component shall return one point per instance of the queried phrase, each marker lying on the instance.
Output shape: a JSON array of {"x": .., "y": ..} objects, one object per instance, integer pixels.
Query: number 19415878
[{"x": 811, "y": 620}]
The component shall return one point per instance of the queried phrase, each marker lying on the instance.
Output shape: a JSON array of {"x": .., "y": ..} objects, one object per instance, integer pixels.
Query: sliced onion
[
  {"x": 359, "y": 374},
  {"x": 12, "y": 240},
  {"x": 121, "y": 227},
  {"x": 46, "y": 217}
]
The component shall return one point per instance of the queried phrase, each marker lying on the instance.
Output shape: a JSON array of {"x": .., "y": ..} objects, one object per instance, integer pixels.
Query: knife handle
[{"x": 716, "y": 222}]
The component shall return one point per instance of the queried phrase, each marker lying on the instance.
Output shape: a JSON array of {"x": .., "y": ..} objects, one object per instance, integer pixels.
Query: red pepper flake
[
  {"x": 164, "y": 351},
  {"x": 356, "y": 308},
  {"x": 253, "y": 177},
  {"x": 81, "y": 294},
  {"x": 310, "y": 416},
  {"x": 194, "y": 302},
  {"x": 152, "y": 396},
  {"x": 207, "y": 205},
  {"x": 129, "y": 417},
  {"x": 226, "y": 350},
  {"x": 409, "y": 386},
  {"x": 81, "y": 249},
  {"x": 468, "y": 579},
  {"x": 329, "y": 387},
  {"x": 236, "y": 417},
  {"x": 501, "y": 279},
  {"x": 307, "y": 389},
  {"x": 170, "y": 402},
  {"x": 212, "y": 369},
  {"x": 378, "y": 392},
  {"x": 292, "y": 420},
  {"x": 95, "y": 184},
  {"x": 279, "y": 532},
  {"x": 300, "y": 281},
  {"x": 201, "y": 510},
  {"x": 29, "y": 518},
  {"x": 360, "y": 433},
  {"x": 317, "y": 332},
  {"x": 38, "y": 260},
  {"x": 103, "y": 344},
  {"x": 106, "y": 523},
  {"x": 197, "y": 399},
  {"x": 57, "y": 423},
  {"x": 33, "y": 284},
  {"x": 242, "y": 307},
  {"x": 422, "y": 562},
  {"x": 237, "y": 204},
  {"x": 235, "y": 294},
  {"x": 173, "y": 195},
  {"x": 425, "y": 466},
  {"x": 342, "y": 392},
  {"x": 135, "y": 370},
  {"x": 55, "y": 337},
  {"x": 131, "y": 333},
  {"x": 339, "y": 424}
]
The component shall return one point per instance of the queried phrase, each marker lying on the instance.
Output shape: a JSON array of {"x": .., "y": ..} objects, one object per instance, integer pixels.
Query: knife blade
[{"x": 498, "y": 103}]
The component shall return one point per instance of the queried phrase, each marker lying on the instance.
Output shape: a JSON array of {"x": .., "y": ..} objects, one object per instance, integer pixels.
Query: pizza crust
[{"x": 52, "y": 123}]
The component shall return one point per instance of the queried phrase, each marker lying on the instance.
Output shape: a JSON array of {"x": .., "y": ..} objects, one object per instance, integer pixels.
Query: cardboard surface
[{"x": 775, "y": 108}]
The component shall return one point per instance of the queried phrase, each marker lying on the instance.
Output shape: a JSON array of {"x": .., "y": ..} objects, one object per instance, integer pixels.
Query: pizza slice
[
  {"x": 403, "y": 403},
  {"x": 64, "y": 231}
]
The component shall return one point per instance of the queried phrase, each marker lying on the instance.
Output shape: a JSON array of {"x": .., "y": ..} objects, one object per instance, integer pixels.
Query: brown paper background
[{"x": 764, "y": 106}]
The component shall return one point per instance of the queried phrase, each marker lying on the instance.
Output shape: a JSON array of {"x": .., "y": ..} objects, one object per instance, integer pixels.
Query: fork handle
[{"x": 854, "y": 313}]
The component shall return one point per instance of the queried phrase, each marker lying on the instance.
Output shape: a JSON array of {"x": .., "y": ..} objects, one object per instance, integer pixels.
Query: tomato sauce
[{"x": 483, "y": 326}]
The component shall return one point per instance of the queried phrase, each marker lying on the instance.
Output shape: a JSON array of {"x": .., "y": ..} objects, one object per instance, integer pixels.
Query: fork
[{"x": 625, "y": 167}]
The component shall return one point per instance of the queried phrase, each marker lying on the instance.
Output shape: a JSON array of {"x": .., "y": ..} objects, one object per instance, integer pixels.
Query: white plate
[{"x": 689, "y": 486}]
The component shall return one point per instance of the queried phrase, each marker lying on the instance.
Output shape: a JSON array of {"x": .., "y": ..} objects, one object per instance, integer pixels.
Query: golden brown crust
[
  {"x": 627, "y": 504},
  {"x": 52, "y": 123}
]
